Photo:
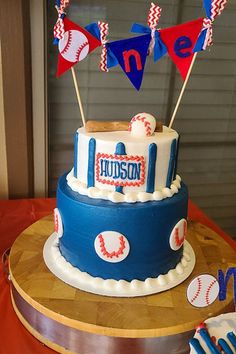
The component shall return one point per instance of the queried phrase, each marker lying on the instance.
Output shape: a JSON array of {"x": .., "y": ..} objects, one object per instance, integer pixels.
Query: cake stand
[{"x": 69, "y": 320}]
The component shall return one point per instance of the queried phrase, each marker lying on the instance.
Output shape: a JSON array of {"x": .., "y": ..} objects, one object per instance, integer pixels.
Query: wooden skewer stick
[
  {"x": 182, "y": 91},
  {"x": 78, "y": 95}
]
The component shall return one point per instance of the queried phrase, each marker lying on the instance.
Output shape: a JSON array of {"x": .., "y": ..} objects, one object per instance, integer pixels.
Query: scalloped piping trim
[
  {"x": 128, "y": 197},
  {"x": 109, "y": 287}
]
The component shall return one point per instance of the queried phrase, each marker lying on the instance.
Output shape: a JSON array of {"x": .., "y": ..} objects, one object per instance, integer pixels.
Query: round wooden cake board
[{"x": 69, "y": 320}]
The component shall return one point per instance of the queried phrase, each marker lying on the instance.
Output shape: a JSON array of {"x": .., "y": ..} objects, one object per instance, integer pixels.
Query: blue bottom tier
[{"x": 146, "y": 228}]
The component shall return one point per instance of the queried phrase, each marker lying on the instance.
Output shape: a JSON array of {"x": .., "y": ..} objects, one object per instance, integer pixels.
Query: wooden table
[
  {"x": 63, "y": 317},
  {"x": 16, "y": 216}
]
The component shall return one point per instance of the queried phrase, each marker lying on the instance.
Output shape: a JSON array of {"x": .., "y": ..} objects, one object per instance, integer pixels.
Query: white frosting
[
  {"x": 122, "y": 288},
  {"x": 106, "y": 143},
  {"x": 219, "y": 327},
  {"x": 128, "y": 197}
]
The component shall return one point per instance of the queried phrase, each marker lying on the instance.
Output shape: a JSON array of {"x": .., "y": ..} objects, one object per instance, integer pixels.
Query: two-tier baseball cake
[{"x": 121, "y": 216}]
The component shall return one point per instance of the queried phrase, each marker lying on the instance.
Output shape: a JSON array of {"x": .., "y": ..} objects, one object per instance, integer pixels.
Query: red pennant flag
[
  {"x": 180, "y": 41},
  {"x": 75, "y": 45}
]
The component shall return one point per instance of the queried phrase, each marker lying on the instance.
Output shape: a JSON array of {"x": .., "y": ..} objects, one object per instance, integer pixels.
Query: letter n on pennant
[{"x": 131, "y": 54}]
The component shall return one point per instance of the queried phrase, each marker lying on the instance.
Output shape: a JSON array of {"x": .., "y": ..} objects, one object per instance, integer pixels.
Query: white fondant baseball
[
  {"x": 178, "y": 235},
  {"x": 203, "y": 290},
  {"x": 143, "y": 124},
  {"x": 58, "y": 226},
  {"x": 74, "y": 46},
  {"x": 111, "y": 246}
]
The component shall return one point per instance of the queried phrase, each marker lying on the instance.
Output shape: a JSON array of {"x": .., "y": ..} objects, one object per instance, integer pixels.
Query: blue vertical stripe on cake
[
  {"x": 91, "y": 163},
  {"x": 232, "y": 338},
  {"x": 171, "y": 163},
  {"x": 226, "y": 348},
  {"x": 207, "y": 339},
  {"x": 176, "y": 158},
  {"x": 152, "y": 157},
  {"x": 197, "y": 346},
  {"x": 120, "y": 150},
  {"x": 76, "y": 146}
]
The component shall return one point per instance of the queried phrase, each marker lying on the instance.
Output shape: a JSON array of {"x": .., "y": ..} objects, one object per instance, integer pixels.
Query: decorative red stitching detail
[
  {"x": 208, "y": 291},
  {"x": 114, "y": 253},
  {"x": 68, "y": 43},
  {"x": 121, "y": 158},
  {"x": 147, "y": 124},
  {"x": 80, "y": 50},
  {"x": 178, "y": 240},
  {"x": 55, "y": 222},
  {"x": 198, "y": 290}
]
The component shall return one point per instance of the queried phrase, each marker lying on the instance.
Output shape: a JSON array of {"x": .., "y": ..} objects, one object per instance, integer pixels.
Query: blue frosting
[
  {"x": 172, "y": 162},
  {"x": 120, "y": 150},
  {"x": 76, "y": 143},
  {"x": 147, "y": 226},
  {"x": 91, "y": 162},
  {"x": 151, "y": 168}
]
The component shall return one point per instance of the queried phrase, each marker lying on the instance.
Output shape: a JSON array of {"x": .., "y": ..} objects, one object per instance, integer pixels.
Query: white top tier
[{"x": 119, "y": 162}]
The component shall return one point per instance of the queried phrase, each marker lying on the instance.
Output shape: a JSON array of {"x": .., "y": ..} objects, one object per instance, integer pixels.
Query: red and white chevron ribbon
[
  {"x": 103, "y": 26},
  {"x": 207, "y": 24},
  {"x": 217, "y": 6},
  {"x": 59, "y": 29},
  {"x": 153, "y": 19},
  {"x": 64, "y": 4},
  {"x": 154, "y": 15}
]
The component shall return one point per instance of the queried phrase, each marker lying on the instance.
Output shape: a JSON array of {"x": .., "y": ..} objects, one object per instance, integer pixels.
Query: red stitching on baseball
[
  {"x": 121, "y": 158},
  {"x": 68, "y": 43},
  {"x": 147, "y": 124},
  {"x": 208, "y": 291},
  {"x": 114, "y": 253},
  {"x": 179, "y": 241},
  {"x": 198, "y": 290},
  {"x": 80, "y": 50}
]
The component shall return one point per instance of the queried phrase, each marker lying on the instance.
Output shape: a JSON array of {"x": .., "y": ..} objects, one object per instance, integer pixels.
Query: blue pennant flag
[
  {"x": 131, "y": 54},
  {"x": 159, "y": 47}
]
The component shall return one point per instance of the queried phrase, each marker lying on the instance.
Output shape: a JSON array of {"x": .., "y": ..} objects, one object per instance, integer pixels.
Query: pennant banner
[
  {"x": 131, "y": 54},
  {"x": 180, "y": 41},
  {"x": 213, "y": 9},
  {"x": 75, "y": 45}
]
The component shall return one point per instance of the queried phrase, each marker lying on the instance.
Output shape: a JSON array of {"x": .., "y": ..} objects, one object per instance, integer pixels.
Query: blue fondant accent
[
  {"x": 76, "y": 145},
  {"x": 91, "y": 162},
  {"x": 120, "y": 150},
  {"x": 147, "y": 226},
  {"x": 171, "y": 164},
  {"x": 209, "y": 342},
  {"x": 225, "y": 346},
  {"x": 223, "y": 282},
  {"x": 183, "y": 43},
  {"x": 200, "y": 41},
  {"x": 176, "y": 158},
  {"x": 232, "y": 338},
  {"x": 160, "y": 48},
  {"x": 207, "y": 7},
  {"x": 94, "y": 30},
  {"x": 151, "y": 168},
  {"x": 197, "y": 346}
]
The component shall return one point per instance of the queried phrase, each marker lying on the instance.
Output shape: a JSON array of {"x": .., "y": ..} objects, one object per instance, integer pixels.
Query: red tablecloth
[{"x": 15, "y": 216}]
